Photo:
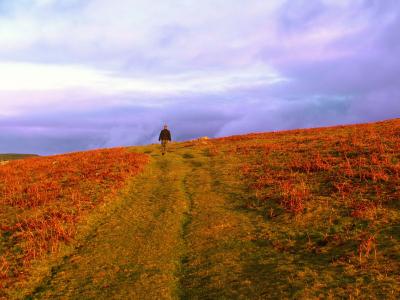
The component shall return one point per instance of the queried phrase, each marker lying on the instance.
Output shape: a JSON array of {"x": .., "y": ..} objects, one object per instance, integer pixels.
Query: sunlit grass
[{"x": 300, "y": 214}]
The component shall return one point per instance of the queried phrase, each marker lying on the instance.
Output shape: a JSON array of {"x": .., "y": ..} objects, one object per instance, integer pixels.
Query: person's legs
[{"x": 163, "y": 146}]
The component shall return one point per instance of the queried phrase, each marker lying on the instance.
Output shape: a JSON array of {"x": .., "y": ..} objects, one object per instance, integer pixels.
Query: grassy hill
[
  {"x": 302, "y": 214},
  {"x": 13, "y": 156},
  {"x": 43, "y": 199}
]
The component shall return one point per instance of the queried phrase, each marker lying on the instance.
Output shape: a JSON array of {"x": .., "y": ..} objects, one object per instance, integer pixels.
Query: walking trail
[{"x": 175, "y": 234}]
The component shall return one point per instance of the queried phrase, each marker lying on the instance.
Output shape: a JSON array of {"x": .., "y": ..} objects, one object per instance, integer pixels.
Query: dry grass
[
  {"x": 134, "y": 251},
  {"x": 302, "y": 214},
  {"x": 42, "y": 199},
  {"x": 356, "y": 164},
  {"x": 330, "y": 198}
]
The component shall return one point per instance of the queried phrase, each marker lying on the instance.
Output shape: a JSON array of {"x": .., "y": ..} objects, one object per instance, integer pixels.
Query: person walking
[{"x": 165, "y": 137}]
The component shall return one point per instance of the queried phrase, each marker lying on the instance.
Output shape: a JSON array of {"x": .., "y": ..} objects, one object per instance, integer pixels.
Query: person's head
[{"x": 165, "y": 126}]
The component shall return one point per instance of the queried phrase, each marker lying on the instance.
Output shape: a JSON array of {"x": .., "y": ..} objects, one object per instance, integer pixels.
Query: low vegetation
[
  {"x": 42, "y": 199},
  {"x": 300, "y": 214},
  {"x": 330, "y": 198}
]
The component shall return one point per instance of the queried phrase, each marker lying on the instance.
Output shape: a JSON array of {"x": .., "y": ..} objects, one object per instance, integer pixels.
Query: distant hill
[{"x": 13, "y": 156}]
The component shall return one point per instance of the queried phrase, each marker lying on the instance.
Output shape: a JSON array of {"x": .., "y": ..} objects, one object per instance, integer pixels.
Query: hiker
[{"x": 165, "y": 137}]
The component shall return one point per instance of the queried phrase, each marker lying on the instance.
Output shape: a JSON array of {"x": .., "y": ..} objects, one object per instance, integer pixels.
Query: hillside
[
  {"x": 13, "y": 156},
  {"x": 43, "y": 199},
  {"x": 301, "y": 214}
]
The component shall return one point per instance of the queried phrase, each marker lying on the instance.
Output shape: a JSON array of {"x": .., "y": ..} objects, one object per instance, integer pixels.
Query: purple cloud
[{"x": 79, "y": 74}]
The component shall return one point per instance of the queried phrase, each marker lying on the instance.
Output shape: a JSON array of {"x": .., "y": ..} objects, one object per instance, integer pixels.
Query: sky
[{"x": 85, "y": 74}]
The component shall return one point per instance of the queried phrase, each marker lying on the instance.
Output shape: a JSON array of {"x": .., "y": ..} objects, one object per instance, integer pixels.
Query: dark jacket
[{"x": 165, "y": 135}]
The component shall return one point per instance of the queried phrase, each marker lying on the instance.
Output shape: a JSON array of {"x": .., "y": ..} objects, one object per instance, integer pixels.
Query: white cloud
[
  {"x": 40, "y": 84},
  {"x": 41, "y": 77},
  {"x": 115, "y": 30}
]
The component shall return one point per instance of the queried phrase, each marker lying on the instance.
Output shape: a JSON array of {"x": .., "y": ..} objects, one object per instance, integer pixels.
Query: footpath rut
[{"x": 171, "y": 237}]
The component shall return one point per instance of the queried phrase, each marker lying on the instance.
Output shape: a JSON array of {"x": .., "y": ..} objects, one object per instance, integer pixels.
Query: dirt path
[{"x": 173, "y": 236}]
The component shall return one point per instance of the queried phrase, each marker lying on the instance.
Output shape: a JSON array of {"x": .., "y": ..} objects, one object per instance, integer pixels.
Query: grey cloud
[
  {"x": 352, "y": 77},
  {"x": 47, "y": 133},
  {"x": 214, "y": 117},
  {"x": 300, "y": 15}
]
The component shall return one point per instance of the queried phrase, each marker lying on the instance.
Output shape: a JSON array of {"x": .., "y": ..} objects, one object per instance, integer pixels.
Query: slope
[{"x": 303, "y": 214}]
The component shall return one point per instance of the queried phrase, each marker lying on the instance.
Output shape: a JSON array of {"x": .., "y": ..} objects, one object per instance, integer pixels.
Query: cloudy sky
[{"x": 83, "y": 74}]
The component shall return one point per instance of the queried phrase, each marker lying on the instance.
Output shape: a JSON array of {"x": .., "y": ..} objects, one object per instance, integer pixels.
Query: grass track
[
  {"x": 135, "y": 253},
  {"x": 173, "y": 235},
  {"x": 221, "y": 260}
]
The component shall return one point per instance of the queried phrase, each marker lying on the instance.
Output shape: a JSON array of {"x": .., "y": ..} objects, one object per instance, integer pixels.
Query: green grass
[
  {"x": 190, "y": 227},
  {"x": 312, "y": 255},
  {"x": 133, "y": 249},
  {"x": 172, "y": 234}
]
